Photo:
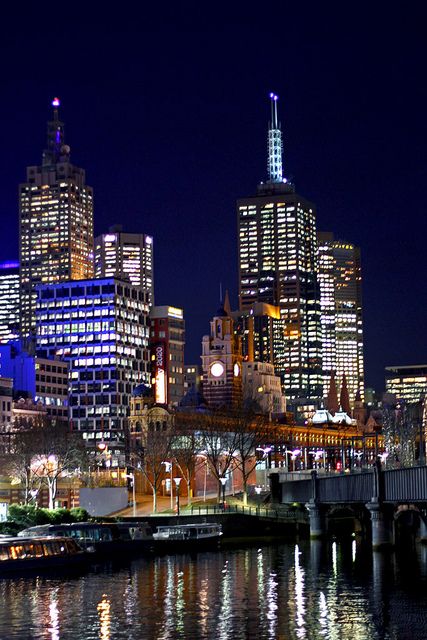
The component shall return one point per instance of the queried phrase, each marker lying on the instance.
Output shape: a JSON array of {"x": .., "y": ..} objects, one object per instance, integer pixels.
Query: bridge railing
[
  {"x": 357, "y": 487},
  {"x": 403, "y": 485},
  {"x": 278, "y": 513}
]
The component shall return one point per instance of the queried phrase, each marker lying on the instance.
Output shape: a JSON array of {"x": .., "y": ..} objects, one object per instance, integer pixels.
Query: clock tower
[{"x": 222, "y": 361}]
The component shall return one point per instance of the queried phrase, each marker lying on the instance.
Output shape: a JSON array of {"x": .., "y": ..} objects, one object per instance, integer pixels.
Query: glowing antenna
[
  {"x": 56, "y": 102},
  {"x": 275, "y": 147}
]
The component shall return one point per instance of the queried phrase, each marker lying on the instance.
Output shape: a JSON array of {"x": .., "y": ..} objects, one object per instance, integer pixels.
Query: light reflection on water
[{"x": 308, "y": 591}]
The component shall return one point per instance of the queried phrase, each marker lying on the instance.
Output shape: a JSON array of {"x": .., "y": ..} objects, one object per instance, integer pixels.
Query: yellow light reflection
[{"x": 103, "y": 609}]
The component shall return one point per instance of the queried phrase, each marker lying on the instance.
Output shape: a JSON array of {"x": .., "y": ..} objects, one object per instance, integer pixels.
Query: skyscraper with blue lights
[
  {"x": 9, "y": 301},
  {"x": 101, "y": 328}
]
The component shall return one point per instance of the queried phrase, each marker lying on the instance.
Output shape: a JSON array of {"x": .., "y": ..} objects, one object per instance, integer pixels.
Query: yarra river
[{"x": 335, "y": 591}]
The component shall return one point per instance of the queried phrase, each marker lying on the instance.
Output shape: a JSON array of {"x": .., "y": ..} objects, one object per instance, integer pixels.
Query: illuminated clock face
[
  {"x": 236, "y": 370},
  {"x": 217, "y": 369}
]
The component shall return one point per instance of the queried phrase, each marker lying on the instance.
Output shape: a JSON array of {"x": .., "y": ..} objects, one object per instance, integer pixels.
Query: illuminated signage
[
  {"x": 160, "y": 375},
  {"x": 174, "y": 312}
]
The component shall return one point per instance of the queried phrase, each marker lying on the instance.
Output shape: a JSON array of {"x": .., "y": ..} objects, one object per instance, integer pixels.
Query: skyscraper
[
  {"x": 56, "y": 222},
  {"x": 340, "y": 285},
  {"x": 278, "y": 266},
  {"x": 9, "y": 301},
  {"x": 126, "y": 255},
  {"x": 100, "y": 327}
]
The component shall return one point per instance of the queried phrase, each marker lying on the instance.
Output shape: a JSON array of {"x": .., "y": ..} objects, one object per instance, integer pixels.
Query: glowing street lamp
[
  {"x": 223, "y": 482},
  {"x": 177, "y": 483},
  {"x": 169, "y": 469}
]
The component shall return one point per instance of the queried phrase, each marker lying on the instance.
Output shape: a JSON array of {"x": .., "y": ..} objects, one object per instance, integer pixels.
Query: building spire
[
  {"x": 275, "y": 146},
  {"x": 56, "y": 149}
]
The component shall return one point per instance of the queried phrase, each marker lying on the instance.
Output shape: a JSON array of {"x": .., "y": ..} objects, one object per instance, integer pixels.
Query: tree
[
  {"x": 151, "y": 454},
  {"x": 217, "y": 441},
  {"x": 400, "y": 430},
  {"x": 57, "y": 452},
  {"x": 17, "y": 463},
  {"x": 184, "y": 449},
  {"x": 252, "y": 431}
]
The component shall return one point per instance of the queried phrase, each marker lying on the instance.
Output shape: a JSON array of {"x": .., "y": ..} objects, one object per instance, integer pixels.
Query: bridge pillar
[
  {"x": 382, "y": 527},
  {"x": 423, "y": 526},
  {"x": 317, "y": 529}
]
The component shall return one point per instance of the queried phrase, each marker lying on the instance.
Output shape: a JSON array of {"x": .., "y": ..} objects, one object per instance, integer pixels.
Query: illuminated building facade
[
  {"x": 278, "y": 265},
  {"x": 9, "y": 301},
  {"x": 126, "y": 256},
  {"x": 340, "y": 285},
  {"x": 263, "y": 387},
  {"x": 42, "y": 380},
  {"x": 56, "y": 222},
  {"x": 222, "y": 363},
  {"x": 262, "y": 333},
  {"x": 101, "y": 328},
  {"x": 167, "y": 340},
  {"x": 408, "y": 383}
]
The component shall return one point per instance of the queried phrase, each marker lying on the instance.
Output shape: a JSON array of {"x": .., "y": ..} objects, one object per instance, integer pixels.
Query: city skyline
[{"x": 187, "y": 153}]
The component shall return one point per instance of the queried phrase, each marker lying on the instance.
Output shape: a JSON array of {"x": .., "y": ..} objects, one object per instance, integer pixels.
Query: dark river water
[{"x": 299, "y": 591}]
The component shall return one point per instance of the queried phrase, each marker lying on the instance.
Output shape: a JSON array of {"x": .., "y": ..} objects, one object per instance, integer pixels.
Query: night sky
[{"x": 168, "y": 114}]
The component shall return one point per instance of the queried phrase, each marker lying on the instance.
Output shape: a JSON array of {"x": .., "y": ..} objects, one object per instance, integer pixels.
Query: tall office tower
[
  {"x": 9, "y": 301},
  {"x": 101, "y": 328},
  {"x": 340, "y": 285},
  {"x": 222, "y": 363},
  {"x": 262, "y": 332},
  {"x": 408, "y": 383},
  {"x": 167, "y": 340},
  {"x": 278, "y": 265},
  {"x": 56, "y": 222},
  {"x": 126, "y": 256}
]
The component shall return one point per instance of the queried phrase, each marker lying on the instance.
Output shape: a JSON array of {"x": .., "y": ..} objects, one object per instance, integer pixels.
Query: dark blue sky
[{"x": 168, "y": 112}]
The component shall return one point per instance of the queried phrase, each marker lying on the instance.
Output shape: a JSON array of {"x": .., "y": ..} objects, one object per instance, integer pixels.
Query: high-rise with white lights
[
  {"x": 56, "y": 222},
  {"x": 9, "y": 301},
  {"x": 126, "y": 256},
  {"x": 278, "y": 266},
  {"x": 340, "y": 285}
]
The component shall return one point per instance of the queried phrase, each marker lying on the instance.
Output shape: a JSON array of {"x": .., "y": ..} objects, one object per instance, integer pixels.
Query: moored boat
[
  {"x": 22, "y": 554},
  {"x": 187, "y": 536},
  {"x": 104, "y": 538}
]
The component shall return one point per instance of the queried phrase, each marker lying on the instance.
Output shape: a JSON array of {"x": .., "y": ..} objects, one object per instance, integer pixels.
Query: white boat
[{"x": 189, "y": 536}]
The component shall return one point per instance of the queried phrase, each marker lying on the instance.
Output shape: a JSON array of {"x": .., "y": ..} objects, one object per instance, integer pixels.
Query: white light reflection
[
  {"x": 353, "y": 550},
  {"x": 334, "y": 558},
  {"x": 225, "y": 609},
  {"x": 203, "y": 606},
  {"x": 299, "y": 596},
  {"x": 271, "y": 599},
  {"x": 169, "y": 609},
  {"x": 323, "y": 617},
  {"x": 54, "y": 618}
]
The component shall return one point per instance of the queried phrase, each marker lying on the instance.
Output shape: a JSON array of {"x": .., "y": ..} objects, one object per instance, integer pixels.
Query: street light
[
  {"x": 223, "y": 482},
  {"x": 177, "y": 482},
  {"x": 169, "y": 468},
  {"x": 131, "y": 476},
  {"x": 265, "y": 451}
]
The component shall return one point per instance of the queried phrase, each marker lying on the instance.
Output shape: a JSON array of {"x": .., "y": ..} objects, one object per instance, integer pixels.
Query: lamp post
[
  {"x": 168, "y": 469},
  {"x": 223, "y": 482},
  {"x": 131, "y": 476},
  {"x": 177, "y": 482},
  {"x": 265, "y": 451}
]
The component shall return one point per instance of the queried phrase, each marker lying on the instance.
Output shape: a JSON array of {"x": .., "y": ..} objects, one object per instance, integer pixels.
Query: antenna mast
[{"x": 275, "y": 146}]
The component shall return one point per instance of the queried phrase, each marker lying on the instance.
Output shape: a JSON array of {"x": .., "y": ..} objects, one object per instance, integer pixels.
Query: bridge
[{"x": 382, "y": 494}]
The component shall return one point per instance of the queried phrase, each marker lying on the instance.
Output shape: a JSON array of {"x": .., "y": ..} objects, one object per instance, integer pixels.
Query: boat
[
  {"x": 103, "y": 538},
  {"x": 21, "y": 553},
  {"x": 187, "y": 536}
]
